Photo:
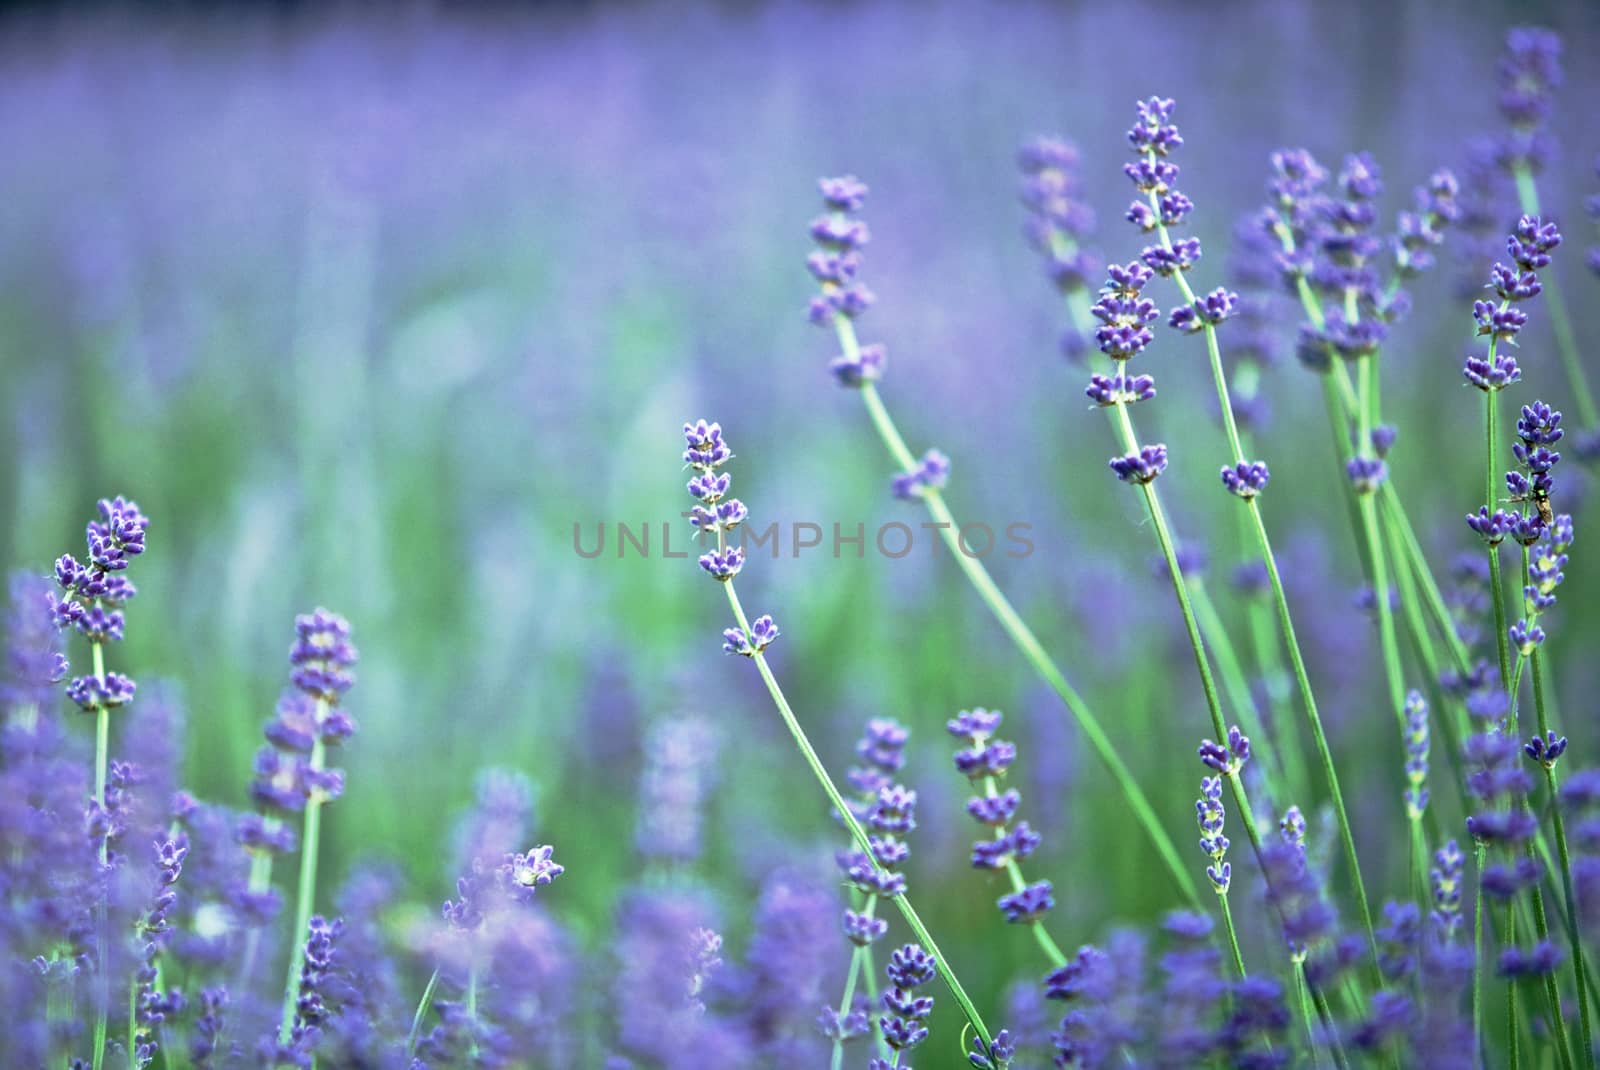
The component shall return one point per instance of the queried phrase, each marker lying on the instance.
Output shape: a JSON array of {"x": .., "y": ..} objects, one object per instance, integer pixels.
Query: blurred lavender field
[{"x": 368, "y": 310}]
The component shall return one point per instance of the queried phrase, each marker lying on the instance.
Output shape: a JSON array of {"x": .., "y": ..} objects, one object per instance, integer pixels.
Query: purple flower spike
[
  {"x": 1531, "y": 242},
  {"x": 1141, "y": 467},
  {"x": 1246, "y": 479},
  {"x": 996, "y": 1055},
  {"x": 1028, "y": 905},
  {"x": 521, "y": 873},
  {"x": 1491, "y": 527},
  {"x": 723, "y": 565},
  {"x": 844, "y": 194},
  {"x": 865, "y": 367},
  {"x": 1119, "y": 389},
  {"x": 1526, "y": 637},
  {"x": 1366, "y": 473},
  {"x": 1210, "y": 310},
  {"x": 931, "y": 473},
  {"x": 1226, "y": 759},
  {"x": 322, "y": 655},
  {"x": 1546, "y": 749}
]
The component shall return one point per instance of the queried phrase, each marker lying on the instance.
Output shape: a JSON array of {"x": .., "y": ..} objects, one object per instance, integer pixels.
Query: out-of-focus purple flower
[
  {"x": 1529, "y": 73},
  {"x": 930, "y": 473},
  {"x": 1058, "y": 218},
  {"x": 1366, "y": 474},
  {"x": 1416, "y": 767},
  {"x": 679, "y": 773},
  {"x": 1445, "y": 878},
  {"x": 836, "y": 265},
  {"x": 791, "y": 959}
]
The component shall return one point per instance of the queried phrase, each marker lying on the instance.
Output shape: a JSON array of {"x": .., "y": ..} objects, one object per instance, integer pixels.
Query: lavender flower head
[
  {"x": 1152, "y": 137},
  {"x": 1528, "y": 247},
  {"x": 1058, "y": 221},
  {"x": 905, "y": 1013},
  {"x": 984, "y": 760},
  {"x": 1209, "y": 815},
  {"x": 1529, "y": 73},
  {"x": 836, "y": 266},
  {"x": 1416, "y": 742},
  {"x": 94, "y": 593}
]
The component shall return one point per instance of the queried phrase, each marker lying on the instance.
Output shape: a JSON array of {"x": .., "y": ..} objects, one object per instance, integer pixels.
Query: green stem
[
  {"x": 1233, "y": 936},
  {"x": 102, "y": 752},
  {"x": 1217, "y": 640},
  {"x": 1029, "y": 646},
  {"x": 857, "y": 833},
  {"x": 423, "y": 1006},
  {"x": 1395, "y": 515},
  {"x": 472, "y": 1014},
  {"x": 1496, "y": 586},
  {"x": 1285, "y": 621},
  {"x": 1512, "y": 1037},
  {"x": 1480, "y": 975},
  {"x": 309, "y": 842},
  {"x": 836, "y": 1061},
  {"x": 1314, "y": 719}
]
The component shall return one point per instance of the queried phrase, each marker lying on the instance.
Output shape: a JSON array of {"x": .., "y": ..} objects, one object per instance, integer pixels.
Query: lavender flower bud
[
  {"x": 1246, "y": 479},
  {"x": 1141, "y": 467}
]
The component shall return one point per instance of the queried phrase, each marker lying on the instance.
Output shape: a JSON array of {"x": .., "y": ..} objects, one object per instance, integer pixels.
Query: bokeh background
[{"x": 368, "y": 308}]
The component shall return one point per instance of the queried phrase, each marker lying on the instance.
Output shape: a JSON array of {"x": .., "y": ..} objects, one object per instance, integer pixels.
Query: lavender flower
[
  {"x": 1058, "y": 218},
  {"x": 1546, "y": 750},
  {"x": 1445, "y": 880},
  {"x": 1226, "y": 758},
  {"x": 1529, "y": 72},
  {"x": 1141, "y": 467},
  {"x": 836, "y": 265},
  {"x": 1209, "y": 815},
  {"x": 1416, "y": 741},
  {"x": 1246, "y": 479},
  {"x": 930, "y": 473},
  {"x": 905, "y": 1012},
  {"x": 1528, "y": 246}
]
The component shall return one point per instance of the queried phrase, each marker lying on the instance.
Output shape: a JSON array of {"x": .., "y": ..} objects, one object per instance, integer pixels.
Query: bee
[{"x": 1540, "y": 500}]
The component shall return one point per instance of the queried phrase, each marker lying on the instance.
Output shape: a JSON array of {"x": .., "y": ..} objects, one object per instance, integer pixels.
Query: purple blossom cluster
[
  {"x": 836, "y": 266},
  {"x": 985, "y": 760}
]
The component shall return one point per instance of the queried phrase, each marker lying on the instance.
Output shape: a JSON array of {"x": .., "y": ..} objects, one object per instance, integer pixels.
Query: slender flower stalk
[
  {"x": 706, "y": 452},
  {"x": 321, "y": 657},
  {"x": 888, "y": 808},
  {"x": 1056, "y": 226},
  {"x": 985, "y": 760},
  {"x": 92, "y": 598},
  {"x": 842, "y": 298},
  {"x": 1152, "y": 138},
  {"x": 1209, "y": 815}
]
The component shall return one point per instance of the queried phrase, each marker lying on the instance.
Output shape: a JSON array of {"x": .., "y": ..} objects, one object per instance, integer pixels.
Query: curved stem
[
  {"x": 423, "y": 1006},
  {"x": 1285, "y": 621},
  {"x": 857, "y": 833},
  {"x": 1030, "y": 647}
]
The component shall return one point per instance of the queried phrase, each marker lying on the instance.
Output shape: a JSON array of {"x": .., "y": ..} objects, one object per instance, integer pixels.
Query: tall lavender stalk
[
  {"x": 321, "y": 657},
  {"x": 705, "y": 452},
  {"x": 1058, "y": 221},
  {"x": 842, "y": 298},
  {"x": 984, "y": 760},
  {"x": 1152, "y": 138},
  {"x": 92, "y": 598}
]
